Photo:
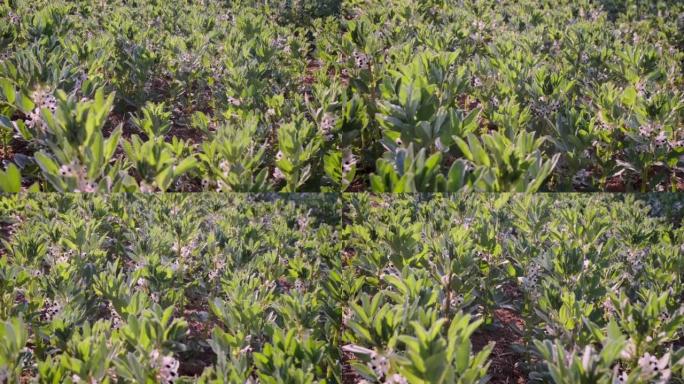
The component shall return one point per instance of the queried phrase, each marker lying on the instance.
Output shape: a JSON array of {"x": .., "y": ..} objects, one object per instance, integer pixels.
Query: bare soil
[{"x": 503, "y": 367}]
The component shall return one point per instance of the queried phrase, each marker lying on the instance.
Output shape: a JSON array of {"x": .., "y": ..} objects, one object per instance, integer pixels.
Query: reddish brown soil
[
  {"x": 15, "y": 146},
  {"x": 312, "y": 66},
  {"x": 349, "y": 375},
  {"x": 194, "y": 363},
  {"x": 116, "y": 119},
  {"x": 615, "y": 184},
  {"x": 466, "y": 103},
  {"x": 348, "y": 255},
  {"x": 511, "y": 290},
  {"x": 358, "y": 185},
  {"x": 503, "y": 367},
  {"x": 7, "y": 228}
]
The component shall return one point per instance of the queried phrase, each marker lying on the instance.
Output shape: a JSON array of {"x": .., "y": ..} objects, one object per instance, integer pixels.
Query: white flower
[
  {"x": 146, "y": 188},
  {"x": 62, "y": 259},
  {"x": 213, "y": 273},
  {"x": 225, "y": 167},
  {"x": 42, "y": 98},
  {"x": 246, "y": 350},
  {"x": 653, "y": 367},
  {"x": 234, "y": 101},
  {"x": 479, "y": 25},
  {"x": 660, "y": 140},
  {"x": 169, "y": 369},
  {"x": 65, "y": 171},
  {"x": 221, "y": 186},
  {"x": 278, "y": 174},
  {"x": 396, "y": 379},
  {"x": 14, "y": 19},
  {"x": 379, "y": 364},
  {"x": 629, "y": 350},
  {"x": 116, "y": 319},
  {"x": 664, "y": 316},
  {"x": 347, "y": 316},
  {"x": 35, "y": 121},
  {"x": 454, "y": 300},
  {"x": 303, "y": 222},
  {"x": 619, "y": 375},
  {"x": 88, "y": 186},
  {"x": 360, "y": 60},
  {"x": 391, "y": 270},
  {"x": 608, "y": 306},
  {"x": 299, "y": 285},
  {"x": 529, "y": 282},
  {"x": 328, "y": 122},
  {"x": 647, "y": 130},
  {"x": 279, "y": 42},
  {"x": 167, "y": 366},
  {"x": 348, "y": 162},
  {"x": 51, "y": 308}
]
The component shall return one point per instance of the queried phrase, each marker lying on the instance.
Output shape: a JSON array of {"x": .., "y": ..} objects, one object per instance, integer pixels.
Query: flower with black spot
[{"x": 361, "y": 60}]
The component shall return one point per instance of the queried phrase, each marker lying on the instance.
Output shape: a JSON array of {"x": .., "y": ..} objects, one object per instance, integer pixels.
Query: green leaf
[
  {"x": 470, "y": 121},
  {"x": 25, "y": 103},
  {"x": 457, "y": 176},
  {"x": 5, "y": 122},
  {"x": 8, "y": 90},
  {"x": 629, "y": 96},
  {"x": 332, "y": 165},
  {"x": 46, "y": 164},
  {"x": 10, "y": 180},
  {"x": 111, "y": 143},
  {"x": 96, "y": 159},
  {"x": 164, "y": 178},
  {"x": 433, "y": 161},
  {"x": 285, "y": 165},
  {"x": 187, "y": 164}
]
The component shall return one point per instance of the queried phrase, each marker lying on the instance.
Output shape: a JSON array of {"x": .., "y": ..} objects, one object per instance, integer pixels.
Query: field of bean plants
[
  {"x": 206, "y": 288},
  {"x": 314, "y": 288},
  {"x": 332, "y": 95},
  {"x": 564, "y": 288},
  {"x": 372, "y": 179}
]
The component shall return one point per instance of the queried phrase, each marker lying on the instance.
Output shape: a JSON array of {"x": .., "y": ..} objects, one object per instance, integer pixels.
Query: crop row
[
  {"x": 539, "y": 289},
  {"x": 391, "y": 96},
  {"x": 230, "y": 288},
  {"x": 135, "y": 289}
]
